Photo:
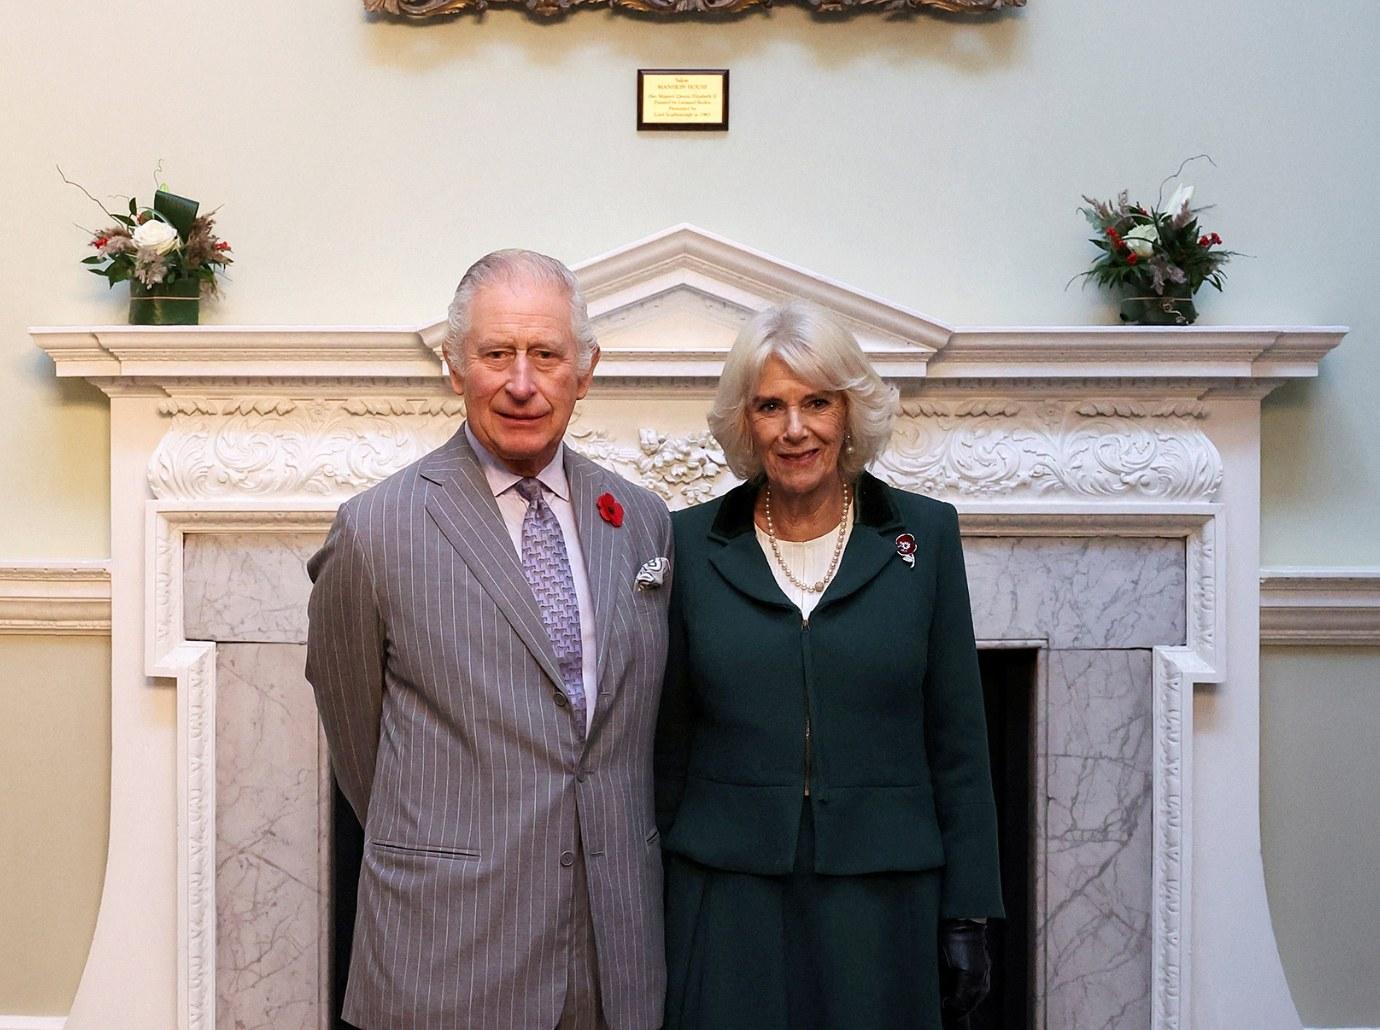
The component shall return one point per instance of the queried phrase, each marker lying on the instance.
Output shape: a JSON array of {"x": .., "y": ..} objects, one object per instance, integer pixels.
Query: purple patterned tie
[{"x": 547, "y": 568}]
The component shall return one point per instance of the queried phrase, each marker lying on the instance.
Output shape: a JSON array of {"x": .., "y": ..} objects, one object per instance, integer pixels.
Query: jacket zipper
[{"x": 809, "y": 734}]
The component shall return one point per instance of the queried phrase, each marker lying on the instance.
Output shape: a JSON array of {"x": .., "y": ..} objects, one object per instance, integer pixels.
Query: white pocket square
[{"x": 652, "y": 574}]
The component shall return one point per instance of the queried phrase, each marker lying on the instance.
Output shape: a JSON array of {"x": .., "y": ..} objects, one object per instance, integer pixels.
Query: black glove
[{"x": 965, "y": 967}]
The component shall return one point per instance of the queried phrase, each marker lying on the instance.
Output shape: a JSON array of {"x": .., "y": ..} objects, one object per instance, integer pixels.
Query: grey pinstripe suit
[{"x": 437, "y": 689}]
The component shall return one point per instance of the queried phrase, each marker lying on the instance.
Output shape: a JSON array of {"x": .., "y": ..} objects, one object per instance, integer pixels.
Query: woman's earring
[{"x": 848, "y": 443}]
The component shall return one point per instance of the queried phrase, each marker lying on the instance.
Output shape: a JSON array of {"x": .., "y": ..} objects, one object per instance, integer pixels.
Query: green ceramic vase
[
  {"x": 1174, "y": 308},
  {"x": 175, "y": 303}
]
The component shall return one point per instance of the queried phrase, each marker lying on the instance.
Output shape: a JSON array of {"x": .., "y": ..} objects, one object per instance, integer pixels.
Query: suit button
[
  {"x": 582, "y": 775},
  {"x": 567, "y": 858},
  {"x": 562, "y": 701}
]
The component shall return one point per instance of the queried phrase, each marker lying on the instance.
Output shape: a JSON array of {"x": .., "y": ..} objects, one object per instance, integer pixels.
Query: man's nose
[{"x": 520, "y": 385}]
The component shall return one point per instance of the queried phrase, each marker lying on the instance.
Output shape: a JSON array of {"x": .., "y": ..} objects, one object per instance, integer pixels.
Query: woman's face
[{"x": 797, "y": 430}]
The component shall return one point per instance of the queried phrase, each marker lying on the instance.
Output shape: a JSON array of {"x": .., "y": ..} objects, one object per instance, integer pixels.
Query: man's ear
[
  {"x": 457, "y": 380},
  {"x": 587, "y": 377}
]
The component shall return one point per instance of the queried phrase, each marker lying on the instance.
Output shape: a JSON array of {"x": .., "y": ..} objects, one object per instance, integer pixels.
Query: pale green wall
[
  {"x": 937, "y": 163},
  {"x": 1319, "y": 727}
]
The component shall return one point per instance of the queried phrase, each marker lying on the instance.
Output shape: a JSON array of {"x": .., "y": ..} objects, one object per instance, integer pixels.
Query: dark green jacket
[{"x": 884, "y": 675}]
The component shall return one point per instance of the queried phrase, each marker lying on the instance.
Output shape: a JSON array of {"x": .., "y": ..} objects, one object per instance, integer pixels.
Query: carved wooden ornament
[{"x": 672, "y": 8}]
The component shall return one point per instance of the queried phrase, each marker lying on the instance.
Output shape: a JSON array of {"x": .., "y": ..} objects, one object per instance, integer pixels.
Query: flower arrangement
[
  {"x": 1160, "y": 254},
  {"x": 166, "y": 251}
]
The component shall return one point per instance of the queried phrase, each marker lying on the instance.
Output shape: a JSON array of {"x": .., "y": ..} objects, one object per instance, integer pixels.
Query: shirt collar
[{"x": 501, "y": 479}]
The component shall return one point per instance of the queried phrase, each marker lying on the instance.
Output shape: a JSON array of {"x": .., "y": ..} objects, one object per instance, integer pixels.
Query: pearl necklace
[{"x": 809, "y": 588}]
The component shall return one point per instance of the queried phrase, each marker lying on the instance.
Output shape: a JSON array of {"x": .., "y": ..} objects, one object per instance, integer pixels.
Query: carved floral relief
[{"x": 980, "y": 449}]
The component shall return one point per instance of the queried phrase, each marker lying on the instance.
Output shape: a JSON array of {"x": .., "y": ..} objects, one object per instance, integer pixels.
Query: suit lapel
[
  {"x": 605, "y": 551},
  {"x": 740, "y": 560},
  {"x": 872, "y": 544},
  {"x": 462, "y": 506}
]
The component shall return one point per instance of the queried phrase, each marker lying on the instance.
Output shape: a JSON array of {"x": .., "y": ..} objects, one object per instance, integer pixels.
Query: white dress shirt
[{"x": 513, "y": 507}]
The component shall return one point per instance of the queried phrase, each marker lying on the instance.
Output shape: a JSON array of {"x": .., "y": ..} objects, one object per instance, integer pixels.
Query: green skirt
[{"x": 801, "y": 951}]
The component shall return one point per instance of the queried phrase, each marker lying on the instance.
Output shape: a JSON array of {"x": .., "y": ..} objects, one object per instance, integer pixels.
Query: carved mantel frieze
[{"x": 258, "y": 448}]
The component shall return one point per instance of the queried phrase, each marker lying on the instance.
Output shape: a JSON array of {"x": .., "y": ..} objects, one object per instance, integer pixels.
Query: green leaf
[
  {"x": 133, "y": 207},
  {"x": 97, "y": 271},
  {"x": 94, "y": 259},
  {"x": 125, "y": 220},
  {"x": 179, "y": 211}
]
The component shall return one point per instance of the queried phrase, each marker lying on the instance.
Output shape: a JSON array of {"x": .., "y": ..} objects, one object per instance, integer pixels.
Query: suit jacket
[
  {"x": 449, "y": 733},
  {"x": 884, "y": 674}
]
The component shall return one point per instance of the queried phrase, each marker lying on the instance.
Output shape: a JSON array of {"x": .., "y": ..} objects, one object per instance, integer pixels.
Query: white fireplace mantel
[{"x": 1037, "y": 431}]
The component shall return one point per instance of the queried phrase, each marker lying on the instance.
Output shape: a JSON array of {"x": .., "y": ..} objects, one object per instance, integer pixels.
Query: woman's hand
[{"x": 965, "y": 966}]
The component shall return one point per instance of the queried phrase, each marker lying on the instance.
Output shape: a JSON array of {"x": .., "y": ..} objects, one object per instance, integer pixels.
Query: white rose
[
  {"x": 1142, "y": 240},
  {"x": 1178, "y": 203},
  {"x": 160, "y": 237}
]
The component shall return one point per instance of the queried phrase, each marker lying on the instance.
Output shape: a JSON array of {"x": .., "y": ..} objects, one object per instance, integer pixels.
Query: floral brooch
[
  {"x": 609, "y": 510},
  {"x": 905, "y": 547}
]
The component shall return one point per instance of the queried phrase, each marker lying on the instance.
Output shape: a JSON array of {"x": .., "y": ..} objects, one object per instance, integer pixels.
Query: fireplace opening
[
  {"x": 1008, "y": 687},
  {"x": 347, "y": 853}
]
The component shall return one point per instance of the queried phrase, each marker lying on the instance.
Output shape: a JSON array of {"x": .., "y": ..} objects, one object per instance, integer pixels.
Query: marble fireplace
[{"x": 1108, "y": 485}]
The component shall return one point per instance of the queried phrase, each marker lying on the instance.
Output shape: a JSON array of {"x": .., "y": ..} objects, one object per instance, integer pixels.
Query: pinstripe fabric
[{"x": 437, "y": 688}]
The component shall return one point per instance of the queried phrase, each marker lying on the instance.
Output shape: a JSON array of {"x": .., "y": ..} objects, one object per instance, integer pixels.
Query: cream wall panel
[{"x": 54, "y": 812}]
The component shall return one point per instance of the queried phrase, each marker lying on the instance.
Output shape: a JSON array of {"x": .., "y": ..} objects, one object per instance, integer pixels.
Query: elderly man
[{"x": 488, "y": 631}]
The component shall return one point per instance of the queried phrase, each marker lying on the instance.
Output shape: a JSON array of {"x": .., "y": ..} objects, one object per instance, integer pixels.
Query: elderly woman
[{"x": 823, "y": 787}]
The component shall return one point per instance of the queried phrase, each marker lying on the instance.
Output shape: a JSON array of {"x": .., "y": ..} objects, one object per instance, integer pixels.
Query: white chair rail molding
[
  {"x": 1327, "y": 607},
  {"x": 42, "y": 598}
]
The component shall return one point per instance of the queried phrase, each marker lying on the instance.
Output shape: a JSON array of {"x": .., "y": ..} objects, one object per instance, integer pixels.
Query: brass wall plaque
[
  {"x": 682, "y": 98},
  {"x": 680, "y": 8}
]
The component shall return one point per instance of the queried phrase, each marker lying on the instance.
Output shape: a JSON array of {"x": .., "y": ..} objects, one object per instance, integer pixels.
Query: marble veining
[
  {"x": 247, "y": 587},
  {"x": 1096, "y": 837},
  {"x": 271, "y": 891},
  {"x": 1078, "y": 593}
]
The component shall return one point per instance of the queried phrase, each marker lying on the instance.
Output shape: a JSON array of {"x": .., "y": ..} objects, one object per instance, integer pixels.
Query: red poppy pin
[
  {"x": 905, "y": 547},
  {"x": 610, "y": 510}
]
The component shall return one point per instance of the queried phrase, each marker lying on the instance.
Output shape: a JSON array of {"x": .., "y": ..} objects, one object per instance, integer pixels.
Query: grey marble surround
[
  {"x": 272, "y": 874},
  {"x": 1093, "y": 606}
]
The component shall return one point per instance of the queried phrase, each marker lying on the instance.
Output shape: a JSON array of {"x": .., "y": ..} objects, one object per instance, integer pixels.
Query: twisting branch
[
  {"x": 1159, "y": 197},
  {"x": 84, "y": 190}
]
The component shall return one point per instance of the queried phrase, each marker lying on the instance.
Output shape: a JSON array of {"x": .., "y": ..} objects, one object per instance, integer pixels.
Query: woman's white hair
[
  {"x": 517, "y": 266},
  {"x": 815, "y": 347}
]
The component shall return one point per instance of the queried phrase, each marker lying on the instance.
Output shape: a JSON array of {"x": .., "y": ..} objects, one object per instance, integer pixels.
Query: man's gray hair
[
  {"x": 517, "y": 266},
  {"x": 815, "y": 347}
]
